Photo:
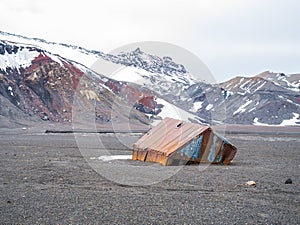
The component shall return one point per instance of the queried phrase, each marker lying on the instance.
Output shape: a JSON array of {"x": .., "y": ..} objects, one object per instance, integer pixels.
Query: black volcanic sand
[{"x": 45, "y": 180}]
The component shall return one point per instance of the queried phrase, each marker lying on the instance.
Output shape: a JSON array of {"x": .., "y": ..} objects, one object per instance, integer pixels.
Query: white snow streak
[
  {"x": 259, "y": 87},
  {"x": 242, "y": 108},
  {"x": 209, "y": 106}
]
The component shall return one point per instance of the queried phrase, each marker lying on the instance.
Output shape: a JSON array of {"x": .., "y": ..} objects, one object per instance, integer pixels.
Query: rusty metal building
[{"x": 175, "y": 142}]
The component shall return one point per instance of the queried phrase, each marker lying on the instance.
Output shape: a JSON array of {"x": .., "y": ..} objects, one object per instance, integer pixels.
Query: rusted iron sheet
[{"x": 174, "y": 142}]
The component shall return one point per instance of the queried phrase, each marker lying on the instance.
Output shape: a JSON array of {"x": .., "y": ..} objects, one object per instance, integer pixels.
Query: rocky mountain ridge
[
  {"x": 40, "y": 82},
  {"x": 41, "y": 86}
]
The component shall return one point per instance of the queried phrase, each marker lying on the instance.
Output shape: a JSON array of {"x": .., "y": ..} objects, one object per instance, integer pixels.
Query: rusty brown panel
[
  {"x": 135, "y": 155},
  {"x": 154, "y": 156},
  {"x": 217, "y": 149},
  {"x": 157, "y": 135},
  {"x": 154, "y": 135},
  {"x": 187, "y": 134},
  {"x": 139, "y": 155},
  {"x": 151, "y": 156},
  {"x": 206, "y": 145},
  {"x": 166, "y": 136},
  {"x": 229, "y": 152}
]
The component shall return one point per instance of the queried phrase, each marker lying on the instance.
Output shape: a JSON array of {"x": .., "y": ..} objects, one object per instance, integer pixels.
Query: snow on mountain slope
[
  {"x": 287, "y": 122},
  {"x": 170, "y": 110},
  {"x": 289, "y": 81},
  {"x": 268, "y": 98},
  {"x": 243, "y": 85},
  {"x": 71, "y": 52},
  {"x": 23, "y": 59},
  {"x": 136, "y": 58},
  {"x": 160, "y": 83},
  {"x": 42, "y": 85},
  {"x": 16, "y": 55},
  {"x": 164, "y": 66},
  {"x": 160, "y": 86}
]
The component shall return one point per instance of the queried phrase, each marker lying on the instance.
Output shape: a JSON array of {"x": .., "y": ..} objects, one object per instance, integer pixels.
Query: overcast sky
[{"x": 232, "y": 37}]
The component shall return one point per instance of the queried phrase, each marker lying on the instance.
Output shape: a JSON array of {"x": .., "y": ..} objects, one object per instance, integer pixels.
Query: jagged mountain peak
[
  {"x": 87, "y": 57},
  {"x": 267, "y": 74},
  {"x": 156, "y": 86},
  {"x": 137, "y": 51},
  {"x": 149, "y": 62}
]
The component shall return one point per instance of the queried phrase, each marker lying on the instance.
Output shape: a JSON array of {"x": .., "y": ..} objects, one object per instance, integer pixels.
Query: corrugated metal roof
[{"x": 169, "y": 135}]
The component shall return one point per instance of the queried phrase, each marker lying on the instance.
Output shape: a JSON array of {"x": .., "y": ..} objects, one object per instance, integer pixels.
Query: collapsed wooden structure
[{"x": 174, "y": 142}]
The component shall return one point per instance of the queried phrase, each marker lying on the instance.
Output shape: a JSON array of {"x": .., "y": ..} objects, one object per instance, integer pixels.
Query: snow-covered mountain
[
  {"x": 265, "y": 99},
  {"x": 37, "y": 85},
  {"x": 156, "y": 87},
  {"x": 70, "y": 52}
]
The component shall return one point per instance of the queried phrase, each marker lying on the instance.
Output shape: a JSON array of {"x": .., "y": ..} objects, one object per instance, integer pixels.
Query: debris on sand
[
  {"x": 288, "y": 181},
  {"x": 250, "y": 183}
]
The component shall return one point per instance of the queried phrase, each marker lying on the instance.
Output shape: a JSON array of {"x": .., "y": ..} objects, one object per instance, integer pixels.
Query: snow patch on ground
[{"x": 107, "y": 158}]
